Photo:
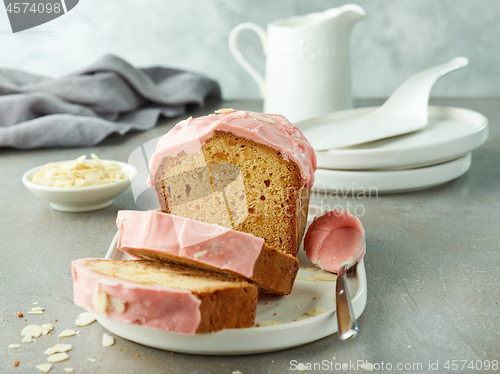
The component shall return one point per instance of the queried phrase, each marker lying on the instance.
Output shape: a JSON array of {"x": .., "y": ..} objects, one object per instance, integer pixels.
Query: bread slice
[
  {"x": 254, "y": 186},
  {"x": 159, "y": 236},
  {"x": 165, "y": 296}
]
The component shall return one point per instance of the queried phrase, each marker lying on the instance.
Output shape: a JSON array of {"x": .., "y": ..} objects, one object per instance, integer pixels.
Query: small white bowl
[{"x": 81, "y": 199}]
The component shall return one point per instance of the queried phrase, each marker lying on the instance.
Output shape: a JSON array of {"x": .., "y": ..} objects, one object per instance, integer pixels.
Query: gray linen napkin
[{"x": 83, "y": 108}]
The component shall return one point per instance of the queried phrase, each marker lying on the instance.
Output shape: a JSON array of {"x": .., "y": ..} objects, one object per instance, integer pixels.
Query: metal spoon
[
  {"x": 347, "y": 325},
  {"x": 405, "y": 111}
]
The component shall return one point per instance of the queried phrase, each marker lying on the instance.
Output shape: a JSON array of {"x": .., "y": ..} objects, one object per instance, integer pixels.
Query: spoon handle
[{"x": 345, "y": 316}]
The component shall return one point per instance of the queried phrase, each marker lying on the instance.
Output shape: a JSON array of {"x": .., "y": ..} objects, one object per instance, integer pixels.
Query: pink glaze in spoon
[{"x": 336, "y": 242}]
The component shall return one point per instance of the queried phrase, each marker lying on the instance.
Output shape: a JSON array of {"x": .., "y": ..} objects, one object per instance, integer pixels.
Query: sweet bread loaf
[{"x": 242, "y": 170}]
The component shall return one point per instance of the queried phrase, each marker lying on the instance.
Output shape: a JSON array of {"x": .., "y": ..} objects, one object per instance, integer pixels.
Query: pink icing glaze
[
  {"x": 184, "y": 237},
  {"x": 190, "y": 134},
  {"x": 335, "y": 238},
  {"x": 158, "y": 307}
]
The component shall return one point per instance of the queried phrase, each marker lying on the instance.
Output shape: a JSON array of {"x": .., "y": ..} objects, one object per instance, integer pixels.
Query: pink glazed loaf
[
  {"x": 164, "y": 296},
  {"x": 242, "y": 170},
  {"x": 160, "y": 236}
]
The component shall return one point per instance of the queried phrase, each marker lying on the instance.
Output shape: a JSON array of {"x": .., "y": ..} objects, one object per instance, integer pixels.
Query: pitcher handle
[{"x": 233, "y": 47}]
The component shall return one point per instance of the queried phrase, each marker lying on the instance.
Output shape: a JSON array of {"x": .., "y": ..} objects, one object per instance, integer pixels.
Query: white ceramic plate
[
  {"x": 451, "y": 133},
  {"x": 390, "y": 181},
  {"x": 305, "y": 295}
]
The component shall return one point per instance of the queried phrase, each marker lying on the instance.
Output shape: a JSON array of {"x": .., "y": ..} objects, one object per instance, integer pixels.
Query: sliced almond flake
[
  {"x": 107, "y": 340},
  {"x": 117, "y": 304},
  {"x": 225, "y": 111},
  {"x": 312, "y": 268},
  {"x": 68, "y": 370},
  {"x": 325, "y": 276},
  {"x": 306, "y": 278},
  {"x": 85, "y": 319},
  {"x": 199, "y": 254},
  {"x": 262, "y": 119},
  {"x": 99, "y": 300},
  {"x": 80, "y": 159},
  {"x": 46, "y": 328},
  {"x": 44, "y": 368},
  {"x": 66, "y": 333},
  {"x": 268, "y": 323},
  {"x": 32, "y": 330},
  {"x": 35, "y": 312},
  {"x": 58, "y": 357},
  {"x": 93, "y": 175},
  {"x": 35, "y": 303},
  {"x": 37, "y": 309},
  {"x": 97, "y": 160},
  {"x": 15, "y": 345},
  {"x": 27, "y": 339},
  {"x": 301, "y": 318},
  {"x": 68, "y": 165},
  {"x": 316, "y": 311},
  {"x": 71, "y": 175},
  {"x": 79, "y": 182},
  {"x": 58, "y": 348}
]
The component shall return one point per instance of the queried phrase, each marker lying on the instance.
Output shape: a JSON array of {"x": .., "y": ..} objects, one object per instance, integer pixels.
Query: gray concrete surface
[{"x": 432, "y": 267}]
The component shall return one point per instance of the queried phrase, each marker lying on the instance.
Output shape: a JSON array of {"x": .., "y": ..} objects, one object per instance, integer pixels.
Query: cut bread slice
[
  {"x": 239, "y": 172},
  {"x": 160, "y": 236},
  {"x": 164, "y": 296}
]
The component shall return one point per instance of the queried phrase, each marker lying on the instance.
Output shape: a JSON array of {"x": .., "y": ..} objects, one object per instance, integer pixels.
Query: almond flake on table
[
  {"x": 68, "y": 370},
  {"x": 107, "y": 340},
  {"x": 58, "y": 348},
  {"x": 14, "y": 345},
  {"x": 33, "y": 331},
  {"x": 27, "y": 339},
  {"x": 45, "y": 368},
  {"x": 85, "y": 319},
  {"x": 66, "y": 333},
  {"x": 46, "y": 328},
  {"x": 58, "y": 357}
]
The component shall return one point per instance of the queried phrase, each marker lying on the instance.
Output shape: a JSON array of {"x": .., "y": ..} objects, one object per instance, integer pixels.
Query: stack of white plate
[{"x": 430, "y": 157}]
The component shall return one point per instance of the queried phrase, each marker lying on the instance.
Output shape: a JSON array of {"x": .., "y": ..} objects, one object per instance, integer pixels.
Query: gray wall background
[{"x": 396, "y": 39}]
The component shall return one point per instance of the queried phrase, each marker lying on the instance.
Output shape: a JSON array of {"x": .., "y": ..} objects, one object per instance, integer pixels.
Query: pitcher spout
[{"x": 349, "y": 14}]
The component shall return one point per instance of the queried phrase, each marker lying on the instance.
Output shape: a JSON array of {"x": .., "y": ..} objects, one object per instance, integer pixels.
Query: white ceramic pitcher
[{"x": 308, "y": 62}]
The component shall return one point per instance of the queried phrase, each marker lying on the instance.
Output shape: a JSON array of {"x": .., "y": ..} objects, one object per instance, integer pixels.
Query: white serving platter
[
  {"x": 390, "y": 181},
  {"x": 305, "y": 296},
  {"x": 451, "y": 133}
]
